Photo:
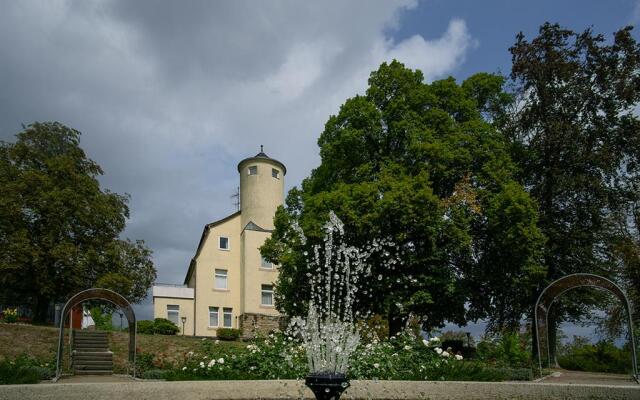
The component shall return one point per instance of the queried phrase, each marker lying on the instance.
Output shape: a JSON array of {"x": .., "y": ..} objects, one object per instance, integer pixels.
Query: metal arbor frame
[
  {"x": 557, "y": 289},
  {"x": 99, "y": 294}
]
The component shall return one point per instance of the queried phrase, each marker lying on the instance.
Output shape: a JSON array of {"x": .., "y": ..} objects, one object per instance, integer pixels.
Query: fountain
[{"x": 329, "y": 331}]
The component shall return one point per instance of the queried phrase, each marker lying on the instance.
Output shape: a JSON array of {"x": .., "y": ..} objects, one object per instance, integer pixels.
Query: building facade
[{"x": 228, "y": 284}]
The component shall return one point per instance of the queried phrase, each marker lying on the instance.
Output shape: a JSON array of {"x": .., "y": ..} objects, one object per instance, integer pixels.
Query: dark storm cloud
[{"x": 171, "y": 95}]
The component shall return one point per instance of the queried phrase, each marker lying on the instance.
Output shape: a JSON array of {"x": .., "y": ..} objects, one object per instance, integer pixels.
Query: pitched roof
[{"x": 205, "y": 232}]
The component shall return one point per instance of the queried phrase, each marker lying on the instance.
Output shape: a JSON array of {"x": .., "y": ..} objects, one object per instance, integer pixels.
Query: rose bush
[{"x": 278, "y": 356}]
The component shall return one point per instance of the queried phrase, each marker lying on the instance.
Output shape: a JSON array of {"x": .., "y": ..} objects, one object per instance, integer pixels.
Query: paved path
[
  {"x": 588, "y": 378},
  {"x": 93, "y": 379},
  {"x": 292, "y": 389}
]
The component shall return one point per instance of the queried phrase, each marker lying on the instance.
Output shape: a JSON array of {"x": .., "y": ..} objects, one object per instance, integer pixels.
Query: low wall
[
  {"x": 253, "y": 324},
  {"x": 291, "y": 389}
]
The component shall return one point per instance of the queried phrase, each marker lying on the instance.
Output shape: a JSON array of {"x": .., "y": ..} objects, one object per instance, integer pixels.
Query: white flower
[
  {"x": 184, "y": 368},
  {"x": 220, "y": 360},
  {"x": 211, "y": 363},
  {"x": 434, "y": 339},
  {"x": 407, "y": 347},
  {"x": 201, "y": 364},
  {"x": 394, "y": 355},
  {"x": 190, "y": 353},
  {"x": 438, "y": 350},
  {"x": 217, "y": 341},
  {"x": 376, "y": 365},
  {"x": 425, "y": 342},
  {"x": 458, "y": 357},
  {"x": 444, "y": 354}
]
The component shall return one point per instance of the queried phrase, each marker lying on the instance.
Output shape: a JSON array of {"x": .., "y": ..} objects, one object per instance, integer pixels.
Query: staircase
[{"x": 91, "y": 355}]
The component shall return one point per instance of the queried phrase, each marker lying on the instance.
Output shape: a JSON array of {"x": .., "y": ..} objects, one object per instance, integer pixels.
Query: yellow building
[{"x": 228, "y": 284}]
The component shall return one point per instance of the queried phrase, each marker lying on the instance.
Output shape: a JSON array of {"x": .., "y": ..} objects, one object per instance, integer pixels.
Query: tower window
[
  {"x": 267, "y": 295},
  {"x": 223, "y": 243},
  {"x": 253, "y": 170},
  {"x": 275, "y": 173}
]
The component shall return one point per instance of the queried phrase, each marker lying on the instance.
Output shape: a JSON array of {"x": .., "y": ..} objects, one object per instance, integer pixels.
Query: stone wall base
[{"x": 252, "y": 325}]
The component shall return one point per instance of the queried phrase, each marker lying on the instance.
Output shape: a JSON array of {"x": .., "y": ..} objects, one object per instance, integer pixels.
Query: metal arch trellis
[
  {"x": 559, "y": 287},
  {"x": 99, "y": 294}
]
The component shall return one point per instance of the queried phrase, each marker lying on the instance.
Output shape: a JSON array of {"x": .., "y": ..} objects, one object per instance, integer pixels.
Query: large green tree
[
  {"x": 421, "y": 164},
  {"x": 59, "y": 231},
  {"x": 575, "y": 136}
]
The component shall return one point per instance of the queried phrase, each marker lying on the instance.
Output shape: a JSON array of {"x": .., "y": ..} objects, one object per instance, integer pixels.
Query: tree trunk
[
  {"x": 40, "y": 310},
  {"x": 553, "y": 327},
  {"x": 396, "y": 322}
]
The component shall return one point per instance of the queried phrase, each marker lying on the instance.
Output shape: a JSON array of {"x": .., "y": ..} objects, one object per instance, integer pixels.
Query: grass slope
[{"x": 41, "y": 341}]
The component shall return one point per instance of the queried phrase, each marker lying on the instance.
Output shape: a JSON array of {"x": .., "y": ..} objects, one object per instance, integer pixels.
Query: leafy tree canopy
[
  {"x": 59, "y": 231},
  {"x": 573, "y": 132},
  {"x": 421, "y": 164}
]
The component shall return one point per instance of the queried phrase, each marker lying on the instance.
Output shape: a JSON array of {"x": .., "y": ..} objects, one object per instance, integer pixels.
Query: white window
[
  {"x": 173, "y": 313},
  {"x": 265, "y": 263},
  {"x": 213, "y": 316},
  {"x": 227, "y": 314},
  {"x": 253, "y": 170},
  {"x": 221, "y": 279},
  {"x": 223, "y": 243},
  {"x": 267, "y": 295},
  {"x": 275, "y": 173}
]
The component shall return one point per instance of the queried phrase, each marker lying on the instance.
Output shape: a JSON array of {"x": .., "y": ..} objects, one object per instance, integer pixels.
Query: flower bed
[{"x": 405, "y": 357}]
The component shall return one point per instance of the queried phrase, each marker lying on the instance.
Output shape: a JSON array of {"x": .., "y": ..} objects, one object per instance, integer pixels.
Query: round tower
[{"x": 261, "y": 189}]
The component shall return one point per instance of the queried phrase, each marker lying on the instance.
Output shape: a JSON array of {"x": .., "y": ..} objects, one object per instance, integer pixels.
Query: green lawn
[{"x": 41, "y": 341}]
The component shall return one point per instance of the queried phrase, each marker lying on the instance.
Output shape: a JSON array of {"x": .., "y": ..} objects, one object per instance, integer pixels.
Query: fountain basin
[{"x": 327, "y": 386}]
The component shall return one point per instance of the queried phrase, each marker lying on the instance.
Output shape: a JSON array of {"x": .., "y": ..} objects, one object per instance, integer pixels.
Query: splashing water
[{"x": 329, "y": 330}]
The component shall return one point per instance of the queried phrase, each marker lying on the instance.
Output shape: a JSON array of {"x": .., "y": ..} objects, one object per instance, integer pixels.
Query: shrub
[
  {"x": 144, "y": 362},
  {"x": 456, "y": 345},
  {"x": 155, "y": 374},
  {"x": 145, "y": 326},
  {"x": 163, "y": 326},
  {"x": 603, "y": 356},
  {"x": 10, "y": 315},
  {"x": 102, "y": 319},
  {"x": 24, "y": 369},
  {"x": 228, "y": 334},
  {"x": 508, "y": 349},
  {"x": 516, "y": 374}
]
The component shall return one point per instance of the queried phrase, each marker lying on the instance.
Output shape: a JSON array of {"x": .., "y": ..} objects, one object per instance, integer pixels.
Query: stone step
[
  {"x": 92, "y": 349},
  {"x": 90, "y": 352},
  {"x": 93, "y": 372},
  {"x": 90, "y": 342},
  {"x": 90, "y": 334},
  {"x": 93, "y": 356},
  {"x": 99, "y": 366},
  {"x": 102, "y": 361}
]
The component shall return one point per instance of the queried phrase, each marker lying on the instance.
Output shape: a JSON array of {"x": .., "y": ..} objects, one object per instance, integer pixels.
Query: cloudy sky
[{"x": 171, "y": 95}]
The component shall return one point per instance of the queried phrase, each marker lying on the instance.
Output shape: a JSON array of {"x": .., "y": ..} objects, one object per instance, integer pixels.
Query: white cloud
[{"x": 169, "y": 96}]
